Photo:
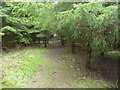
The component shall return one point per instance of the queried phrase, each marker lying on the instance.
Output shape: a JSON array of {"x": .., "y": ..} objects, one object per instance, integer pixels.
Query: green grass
[
  {"x": 114, "y": 54},
  {"x": 28, "y": 61},
  {"x": 22, "y": 65},
  {"x": 4, "y": 53}
]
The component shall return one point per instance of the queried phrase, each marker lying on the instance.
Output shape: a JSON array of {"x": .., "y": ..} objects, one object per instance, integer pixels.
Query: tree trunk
[
  {"x": 73, "y": 47},
  {"x": 39, "y": 40},
  {"x": 89, "y": 51},
  {"x": 102, "y": 53},
  {"x": 79, "y": 49},
  {"x": 115, "y": 44},
  {"x": 62, "y": 42},
  {"x": 45, "y": 40}
]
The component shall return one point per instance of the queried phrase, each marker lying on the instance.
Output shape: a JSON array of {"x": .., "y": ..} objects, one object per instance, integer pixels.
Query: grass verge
[
  {"x": 20, "y": 65},
  {"x": 114, "y": 54}
]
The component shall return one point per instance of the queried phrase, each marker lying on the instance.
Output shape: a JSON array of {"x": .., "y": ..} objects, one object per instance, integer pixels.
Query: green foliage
[
  {"x": 90, "y": 22},
  {"x": 114, "y": 54},
  {"x": 8, "y": 28},
  {"x": 94, "y": 22},
  {"x": 21, "y": 19},
  {"x": 1, "y": 34}
]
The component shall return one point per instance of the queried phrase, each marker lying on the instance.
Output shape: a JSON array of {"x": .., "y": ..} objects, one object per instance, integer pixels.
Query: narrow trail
[
  {"x": 56, "y": 74},
  {"x": 63, "y": 70},
  {"x": 51, "y": 67}
]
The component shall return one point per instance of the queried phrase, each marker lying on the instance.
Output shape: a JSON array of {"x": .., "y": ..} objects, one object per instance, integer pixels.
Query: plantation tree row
[
  {"x": 90, "y": 25},
  {"x": 23, "y": 23},
  {"x": 87, "y": 25}
]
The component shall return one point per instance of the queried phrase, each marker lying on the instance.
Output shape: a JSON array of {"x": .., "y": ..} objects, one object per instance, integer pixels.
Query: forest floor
[{"x": 51, "y": 67}]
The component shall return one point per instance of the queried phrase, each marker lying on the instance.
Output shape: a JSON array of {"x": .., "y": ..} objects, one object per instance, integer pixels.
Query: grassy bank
[{"x": 20, "y": 65}]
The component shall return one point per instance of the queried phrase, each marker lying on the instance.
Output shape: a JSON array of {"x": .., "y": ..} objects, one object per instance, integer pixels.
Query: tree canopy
[{"x": 93, "y": 23}]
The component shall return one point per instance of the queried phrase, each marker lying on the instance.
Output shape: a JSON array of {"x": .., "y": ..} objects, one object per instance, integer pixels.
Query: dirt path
[
  {"x": 64, "y": 70},
  {"x": 51, "y": 67},
  {"x": 55, "y": 74}
]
